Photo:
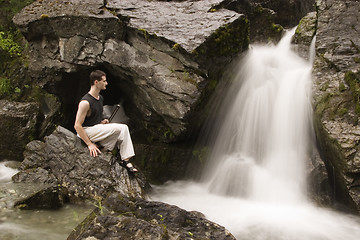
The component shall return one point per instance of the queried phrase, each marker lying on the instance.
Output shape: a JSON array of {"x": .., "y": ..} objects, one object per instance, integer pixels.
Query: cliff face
[{"x": 336, "y": 96}]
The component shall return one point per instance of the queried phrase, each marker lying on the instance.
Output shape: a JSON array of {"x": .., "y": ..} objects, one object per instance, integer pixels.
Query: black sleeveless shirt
[{"x": 96, "y": 108}]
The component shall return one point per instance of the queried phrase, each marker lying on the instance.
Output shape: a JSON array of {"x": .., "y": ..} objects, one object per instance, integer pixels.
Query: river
[{"x": 33, "y": 224}]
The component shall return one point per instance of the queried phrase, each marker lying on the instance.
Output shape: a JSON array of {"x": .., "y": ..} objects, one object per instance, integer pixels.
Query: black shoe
[{"x": 128, "y": 166}]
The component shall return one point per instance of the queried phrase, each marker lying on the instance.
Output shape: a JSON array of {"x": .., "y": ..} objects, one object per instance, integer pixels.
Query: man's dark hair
[{"x": 96, "y": 75}]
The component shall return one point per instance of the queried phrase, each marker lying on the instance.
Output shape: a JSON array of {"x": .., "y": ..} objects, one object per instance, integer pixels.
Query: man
[{"x": 92, "y": 128}]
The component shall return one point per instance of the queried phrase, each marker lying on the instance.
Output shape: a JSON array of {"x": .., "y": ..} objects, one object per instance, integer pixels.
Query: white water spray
[
  {"x": 260, "y": 151},
  {"x": 255, "y": 183}
]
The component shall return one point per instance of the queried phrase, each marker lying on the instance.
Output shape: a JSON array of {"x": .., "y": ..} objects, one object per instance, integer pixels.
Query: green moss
[
  {"x": 144, "y": 32},
  {"x": 212, "y": 84},
  {"x": 176, "y": 46},
  {"x": 323, "y": 103},
  {"x": 168, "y": 134},
  {"x": 353, "y": 80},
  {"x": 201, "y": 154},
  {"x": 44, "y": 16},
  {"x": 276, "y": 28},
  {"x": 342, "y": 87},
  {"x": 342, "y": 111},
  {"x": 5, "y": 87},
  {"x": 226, "y": 41},
  {"x": 22, "y": 206},
  {"x": 259, "y": 9}
]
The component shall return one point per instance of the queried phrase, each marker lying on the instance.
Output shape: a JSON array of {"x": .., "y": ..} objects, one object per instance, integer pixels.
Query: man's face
[{"x": 102, "y": 83}]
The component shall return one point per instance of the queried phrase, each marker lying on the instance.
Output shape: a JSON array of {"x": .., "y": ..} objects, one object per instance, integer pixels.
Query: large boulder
[
  {"x": 124, "y": 218},
  {"x": 336, "y": 97},
  {"x": 63, "y": 160},
  {"x": 160, "y": 56},
  {"x": 18, "y": 125}
]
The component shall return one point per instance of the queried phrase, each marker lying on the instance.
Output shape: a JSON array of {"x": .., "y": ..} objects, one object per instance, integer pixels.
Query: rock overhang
[
  {"x": 162, "y": 64},
  {"x": 181, "y": 22}
]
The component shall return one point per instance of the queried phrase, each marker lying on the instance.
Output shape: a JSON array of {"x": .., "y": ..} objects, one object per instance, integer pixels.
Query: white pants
[{"x": 108, "y": 135}]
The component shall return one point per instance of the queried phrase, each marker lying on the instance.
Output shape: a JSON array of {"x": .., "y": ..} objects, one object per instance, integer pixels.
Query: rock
[
  {"x": 124, "y": 218},
  {"x": 160, "y": 64},
  {"x": 18, "y": 126},
  {"x": 47, "y": 198},
  {"x": 161, "y": 163},
  {"x": 305, "y": 33},
  {"x": 288, "y": 12},
  {"x": 188, "y": 23},
  {"x": 335, "y": 97},
  {"x": 62, "y": 159},
  {"x": 319, "y": 187}
]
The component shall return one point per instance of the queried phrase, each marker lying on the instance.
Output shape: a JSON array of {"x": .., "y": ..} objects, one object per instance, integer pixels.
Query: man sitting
[{"x": 91, "y": 127}]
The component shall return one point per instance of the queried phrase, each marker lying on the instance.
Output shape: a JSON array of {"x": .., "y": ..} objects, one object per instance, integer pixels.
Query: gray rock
[
  {"x": 65, "y": 161},
  {"x": 335, "y": 97},
  {"x": 158, "y": 62},
  {"x": 47, "y": 198},
  {"x": 188, "y": 23},
  {"x": 18, "y": 125},
  {"x": 124, "y": 218}
]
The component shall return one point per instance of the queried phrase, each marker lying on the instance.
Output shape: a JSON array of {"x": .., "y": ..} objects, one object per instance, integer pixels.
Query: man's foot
[{"x": 129, "y": 166}]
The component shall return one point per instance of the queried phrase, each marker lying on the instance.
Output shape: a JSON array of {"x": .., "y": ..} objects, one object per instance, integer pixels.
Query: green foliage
[
  {"x": 8, "y": 44},
  {"x": 5, "y": 86}
]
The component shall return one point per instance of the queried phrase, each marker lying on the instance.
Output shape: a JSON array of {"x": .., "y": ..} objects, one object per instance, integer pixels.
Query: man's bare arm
[{"x": 83, "y": 109}]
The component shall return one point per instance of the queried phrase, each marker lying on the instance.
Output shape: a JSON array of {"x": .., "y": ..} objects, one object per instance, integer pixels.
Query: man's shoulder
[
  {"x": 86, "y": 97},
  {"x": 84, "y": 103}
]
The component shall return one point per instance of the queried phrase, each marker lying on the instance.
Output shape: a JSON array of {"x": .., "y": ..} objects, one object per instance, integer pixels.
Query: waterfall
[
  {"x": 255, "y": 182},
  {"x": 264, "y": 140}
]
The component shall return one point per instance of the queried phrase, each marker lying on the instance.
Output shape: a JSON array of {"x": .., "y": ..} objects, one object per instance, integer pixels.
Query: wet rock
[
  {"x": 124, "y": 218},
  {"x": 335, "y": 97},
  {"x": 305, "y": 33},
  {"x": 47, "y": 198},
  {"x": 161, "y": 163},
  {"x": 63, "y": 160},
  {"x": 18, "y": 125},
  {"x": 319, "y": 187}
]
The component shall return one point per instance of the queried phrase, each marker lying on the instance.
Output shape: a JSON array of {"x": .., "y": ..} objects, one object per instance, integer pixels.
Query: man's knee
[
  {"x": 115, "y": 131},
  {"x": 122, "y": 127}
]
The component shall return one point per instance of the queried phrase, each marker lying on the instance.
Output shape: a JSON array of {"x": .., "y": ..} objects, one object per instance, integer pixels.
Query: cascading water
[
  {"x": 254, "y": 184},
  {"x": 260, "y": 151}
]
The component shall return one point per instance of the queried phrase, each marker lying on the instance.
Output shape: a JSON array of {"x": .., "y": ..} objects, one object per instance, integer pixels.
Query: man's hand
[
  {"x": 94, "y": 150},
  {"x": 105, "y": 121}
]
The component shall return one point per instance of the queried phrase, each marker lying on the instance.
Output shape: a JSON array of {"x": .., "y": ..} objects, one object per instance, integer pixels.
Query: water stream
[
  {"x": 255, "y": 182},
  {"x": 33, "y": 224}
]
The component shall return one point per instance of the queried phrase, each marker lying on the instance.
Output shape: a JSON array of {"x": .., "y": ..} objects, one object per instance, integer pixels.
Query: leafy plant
[
  {"x": 5, "y": 86},
  {"x": 8, "y": 45}
]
